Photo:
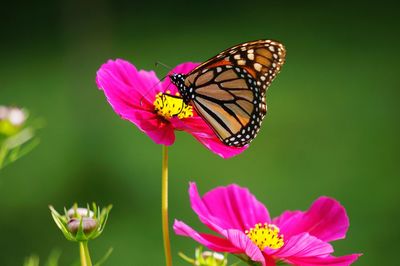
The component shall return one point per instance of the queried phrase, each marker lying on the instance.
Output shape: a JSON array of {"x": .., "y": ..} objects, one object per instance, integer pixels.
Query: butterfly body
[{"x": 228, "y": 91}]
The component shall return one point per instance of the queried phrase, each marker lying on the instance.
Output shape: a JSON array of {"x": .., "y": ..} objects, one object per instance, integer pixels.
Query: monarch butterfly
[{"x": 228, "y": 90}]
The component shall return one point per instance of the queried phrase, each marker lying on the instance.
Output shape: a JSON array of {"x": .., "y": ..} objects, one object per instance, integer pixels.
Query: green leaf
[
  {"x": 17, "y": 146},
  {"x": 32, "y": 260},
  {"x": 54, "y": 258}
]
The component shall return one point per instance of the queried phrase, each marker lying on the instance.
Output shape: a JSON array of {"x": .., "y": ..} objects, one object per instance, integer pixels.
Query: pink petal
[
  {"x": 212, "y": 242},
  {"x": 122, "y": 80},
  {"x": 330, "y": 260},
  {"x": 144, "y": 120},
  {"x": 230, "y": 207},
  {"x": 202, "y": 211},
  {"x": 326, "y": 219},
  {"x": 164, "y": 135},
  {"x": 131, "y": 94},
  {"x": 183, "y": 68},
  {"x": 160, "y": 131},
  {"x": 219, "y": 148},
  {"x": 194, "y": 125},
  {"x": 285, "y": 216},
  {"x": 302, "y": 245},
  {"x": 242, "y": 242}
]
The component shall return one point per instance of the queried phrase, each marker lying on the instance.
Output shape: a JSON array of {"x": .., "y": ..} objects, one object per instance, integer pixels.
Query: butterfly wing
[
  {"x": 229, "y": 89},
  {"x": 262, "y": 59}
]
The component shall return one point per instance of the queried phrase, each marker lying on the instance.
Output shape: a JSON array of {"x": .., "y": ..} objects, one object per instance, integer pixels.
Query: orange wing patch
[
  {"x": 220, "y": 63},
  {"x": 251, "y": 71},
  {"x": 235, "y": 84}
]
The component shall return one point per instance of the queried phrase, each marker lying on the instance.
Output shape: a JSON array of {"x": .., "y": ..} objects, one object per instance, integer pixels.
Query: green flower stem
[
  {"x": 164, "y": 206},
  {"x": 84, "y": 252}
]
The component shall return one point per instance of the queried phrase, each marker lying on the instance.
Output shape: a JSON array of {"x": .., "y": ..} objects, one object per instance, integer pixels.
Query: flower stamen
[
  {"x": 167, "y": 106},
  {"x": 265, "y": 235}
]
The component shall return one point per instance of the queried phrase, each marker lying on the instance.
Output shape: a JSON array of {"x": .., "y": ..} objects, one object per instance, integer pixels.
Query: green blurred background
[{"x": 332, "y": 127}]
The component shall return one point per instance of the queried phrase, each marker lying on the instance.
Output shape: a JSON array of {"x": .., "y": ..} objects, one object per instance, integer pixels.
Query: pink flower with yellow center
[
  {"x": 246, "y": 229},
  {"x": 155, "y": 107}
]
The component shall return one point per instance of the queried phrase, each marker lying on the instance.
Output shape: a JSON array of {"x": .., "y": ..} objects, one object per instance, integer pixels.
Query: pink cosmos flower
[
  {"x": 155, "y": 107},
  {"x": 246, "y": 229}
]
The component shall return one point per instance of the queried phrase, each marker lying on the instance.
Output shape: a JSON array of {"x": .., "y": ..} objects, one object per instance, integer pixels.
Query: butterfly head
[{"x": 179, "y": 81}]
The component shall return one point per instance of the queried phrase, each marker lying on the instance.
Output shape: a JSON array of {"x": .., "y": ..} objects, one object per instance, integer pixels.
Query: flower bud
[
  {"x": 206, "y": 258},
  {"x": 81, "y": 224},
  {"x": 88, "y": 225}
]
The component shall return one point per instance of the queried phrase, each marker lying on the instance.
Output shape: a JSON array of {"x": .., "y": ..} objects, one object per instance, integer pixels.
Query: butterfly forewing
[
  {"x": 262, "y": 59},
  {"x": 228, "y": 90}
]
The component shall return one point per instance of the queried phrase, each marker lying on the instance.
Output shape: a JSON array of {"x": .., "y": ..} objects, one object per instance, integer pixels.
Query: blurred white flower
[
  {"x": 14, "y": 115},
  {"x": 17, "y": 134}
]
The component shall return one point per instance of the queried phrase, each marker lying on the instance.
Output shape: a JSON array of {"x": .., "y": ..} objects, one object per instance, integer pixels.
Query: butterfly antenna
[{"x": 158, "y": 63}]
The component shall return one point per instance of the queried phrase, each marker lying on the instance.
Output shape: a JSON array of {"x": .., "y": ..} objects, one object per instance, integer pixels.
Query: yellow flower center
[
  {"x": 265, "y": 235},
  {"x": 167, "y": 106}
]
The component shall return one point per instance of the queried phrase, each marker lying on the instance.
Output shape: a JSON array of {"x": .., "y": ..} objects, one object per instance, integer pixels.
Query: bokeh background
[{"x": 332, "y": 127}]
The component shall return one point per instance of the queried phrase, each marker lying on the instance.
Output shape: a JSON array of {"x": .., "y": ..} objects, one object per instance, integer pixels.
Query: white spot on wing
[{"x": 257, "y": 66}]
